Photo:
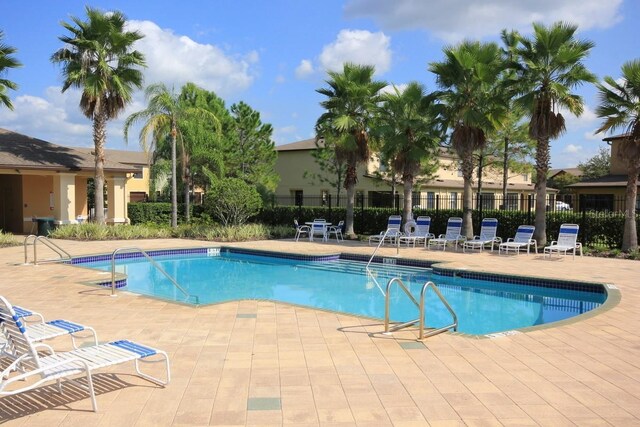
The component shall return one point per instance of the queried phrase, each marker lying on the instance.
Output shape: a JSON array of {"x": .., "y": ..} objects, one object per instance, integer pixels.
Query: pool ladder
[
  {"x": 64, "y": 255},
  {"x": 368, "y": 270},
  {"x": 153, "y": 263},
  {"x": 388, "y": 328}
]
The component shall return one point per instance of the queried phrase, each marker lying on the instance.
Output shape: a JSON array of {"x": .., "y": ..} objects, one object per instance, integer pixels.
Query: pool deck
[{"x": 264, "y": 363}]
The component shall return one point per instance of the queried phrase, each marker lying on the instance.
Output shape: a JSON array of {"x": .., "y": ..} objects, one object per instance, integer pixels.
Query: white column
[
  {"x": 117, "y": 200},
  {"x": 64, "y": 198}
]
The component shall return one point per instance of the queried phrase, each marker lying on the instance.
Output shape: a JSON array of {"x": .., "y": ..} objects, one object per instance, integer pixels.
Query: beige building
[
  {"x": 296, "y": 167},
  {"x": 43, "y": 180}
]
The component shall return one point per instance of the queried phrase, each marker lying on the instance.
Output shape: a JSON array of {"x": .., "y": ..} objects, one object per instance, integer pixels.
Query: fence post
[
  {"x": 480, "y": 207},
  {"x": 361, "y": 209},
  {"x": 437, "y": 202},
  {"x": 529, "y": 204},
  {"x": 583, "y": 220}
]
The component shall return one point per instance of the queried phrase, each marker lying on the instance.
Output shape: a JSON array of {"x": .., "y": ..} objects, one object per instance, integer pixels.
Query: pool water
[{"x": 482, "y": 306}]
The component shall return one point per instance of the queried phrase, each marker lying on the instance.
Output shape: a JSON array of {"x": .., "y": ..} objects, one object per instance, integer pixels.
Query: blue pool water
[{"x": 482, "y": 306}]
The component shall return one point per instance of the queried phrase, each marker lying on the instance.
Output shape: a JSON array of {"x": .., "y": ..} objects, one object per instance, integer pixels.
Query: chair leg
[{"x": 92, "y": 393}]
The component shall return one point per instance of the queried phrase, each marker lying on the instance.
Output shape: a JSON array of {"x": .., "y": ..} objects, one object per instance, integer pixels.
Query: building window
[
  {"x": 324, "y": 197},
  {"x": 298, "y": 197},
  {"x": 511, "y": 204},
  {"x": 488, "y": 200},
  {"x": 431, "y": 200},
  {"x": 137, "y": 175},
  {"x": 525, "y": 176},
  {"x": 459, "y": 168},
  {"x": 453, "y": 200}
]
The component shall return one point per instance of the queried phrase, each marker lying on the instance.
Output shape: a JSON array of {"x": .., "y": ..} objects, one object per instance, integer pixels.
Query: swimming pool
[{"x": 333, "y": 283}]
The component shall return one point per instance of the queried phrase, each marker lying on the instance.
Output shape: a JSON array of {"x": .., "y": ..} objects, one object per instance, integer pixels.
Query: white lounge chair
[
  {"x": 420, "y": 233},
  {"x": 337, "y": 230},
  {"x": 522, "y": 240},
  {"x": 36, "y": 369},
  {"x": 40, "y": 330},
  {"x": 567, "y": 241},
  {"x": 488, "y": 231},
  {"x": 319, "y": 228},
  {"x": 301, "y": 229},
  {"x": 391, "y": 233},
  {"x": 452, "y": 235}
]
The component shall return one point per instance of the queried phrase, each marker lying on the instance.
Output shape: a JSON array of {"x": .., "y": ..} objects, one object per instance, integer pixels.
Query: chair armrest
[
  {"x": 475, "y": 237},
  {"x": 442, "y": 236},
  {"x": 510, "y": 239},
  {"x": 498, "y": 240},
  {"x": 430, "y": 236}
]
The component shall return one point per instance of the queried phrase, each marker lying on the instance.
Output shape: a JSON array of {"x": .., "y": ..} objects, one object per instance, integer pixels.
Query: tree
[
  {"x": 99, "y": 59},
  {"x": 352, "y": 97},
  {"x": 550, "y": 66},
  {"x": 7, "y": 61},
  {"x": 163, "y": 114},
  {"x": 597, "y": 166},
  {"x": 620, "y": 109},
  {"x": 232, "y": 201},
  {"x": 410, "y": 128},
  {"x": 469, "y": 77},
  {"x": 331, "y": 164}
]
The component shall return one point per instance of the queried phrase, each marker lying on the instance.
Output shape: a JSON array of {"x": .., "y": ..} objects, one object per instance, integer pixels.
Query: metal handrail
[
  {"x": 421, "y": 308},
  {"x": 368, "y": 270},
  {"x": 153, "y": 263},
  {"x": 64, "y": 255}
]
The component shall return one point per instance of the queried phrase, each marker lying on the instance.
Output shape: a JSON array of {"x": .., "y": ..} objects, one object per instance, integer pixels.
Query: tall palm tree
[
  {"x": 99, "y": 59},
  {"x": 550, "y": 67},
  {"x": 620, "y": 109},
  {"x": 410, "y": 128},
  {"x": 352, "y": 99},
  {"x": 7, "y": 61},
  {"x": 165, "y": 111},
  {"x": 469, "y": 77}
]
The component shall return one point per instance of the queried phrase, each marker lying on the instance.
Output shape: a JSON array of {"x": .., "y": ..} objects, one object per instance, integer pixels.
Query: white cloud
[
  {"x": 304, "y": 69},
  {"x": 175, "y": 60},
  {"x": 285, "y": 134},
  {"x": 392, "y": 88},
  {"x": 453, "y": 20},
  {"x": 280, "y": 79},
  {"x": 572, "y": 149},
  {"x": 359, "y": 47}
]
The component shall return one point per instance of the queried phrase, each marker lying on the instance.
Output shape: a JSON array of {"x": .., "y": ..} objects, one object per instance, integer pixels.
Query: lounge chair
[
  {"x": 522, "y": 240},
  {"x": 319, "y": 228},
  {"x": 567, "y": 241},
  {"x": 337, "y": 230},
  {"x": 391, "y": 233},
  {"x": 488, "y": 231},
  {"x": 420, "y": 233},
  {"x": 36, "y": 368},
  {"x": 40, "y": 330},
  {"x": 452, "y": 235},
  {"x": 301, "y": 229}
]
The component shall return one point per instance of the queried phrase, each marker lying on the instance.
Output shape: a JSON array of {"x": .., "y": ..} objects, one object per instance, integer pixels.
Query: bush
[
  {"x": 158, "y": 212},
  {"x": 232, "y": 201},
  {"x": 93, "y": 231},
  {"x": 7, "y": 239}
]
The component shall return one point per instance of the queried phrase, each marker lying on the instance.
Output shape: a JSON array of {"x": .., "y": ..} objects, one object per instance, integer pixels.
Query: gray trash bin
[{"x": 45, "y": 225}]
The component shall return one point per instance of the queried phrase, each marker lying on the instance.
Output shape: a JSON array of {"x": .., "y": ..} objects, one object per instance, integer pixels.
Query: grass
[{"x": 7, "y": 239}]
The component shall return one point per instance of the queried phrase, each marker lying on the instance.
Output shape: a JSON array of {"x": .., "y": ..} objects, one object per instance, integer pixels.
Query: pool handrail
[
  {"x": 153, "y": 263},
  {"x": 366, "y": 268},
  {"x": 64, "y": 255},
  {"x": 421, "y": 308}
]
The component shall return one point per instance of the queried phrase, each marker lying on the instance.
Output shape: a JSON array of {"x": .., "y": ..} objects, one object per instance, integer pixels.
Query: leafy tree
[
  {"x": 332, "y": 165},
  {"x": 620, "y": 109},
  {"x": 550, "y": 66},
  {"x": 562, "y": 181},
  {"x": 469, "y": 77},
  {"x": 410, "y": 128},
  {"x": 162, "y": 116},
  {"x": 352, "y": 97},
  {"x": 99, "y": 59},
  {"x": 232, "y": 201},
  {"x": 597, "y": 166},
  {"x": 7, "y": 61}
]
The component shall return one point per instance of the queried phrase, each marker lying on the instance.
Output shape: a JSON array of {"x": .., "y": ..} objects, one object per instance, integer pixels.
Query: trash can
[{"x": 45, "y": 225}]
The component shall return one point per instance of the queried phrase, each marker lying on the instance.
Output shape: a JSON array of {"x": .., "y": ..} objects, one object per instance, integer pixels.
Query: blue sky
[{"x": 273, "y": 55}]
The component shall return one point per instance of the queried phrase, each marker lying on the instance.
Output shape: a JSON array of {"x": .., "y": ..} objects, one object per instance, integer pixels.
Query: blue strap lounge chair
[
  {"x": 35, "y": 368},
  {"x": 567, "y": 241},
  {"x": 391, "y": 233},
  {"x": 420, "y": 233},
  {"x": 452, "y": 235},
  {"x": 488, "y": 231},
  {"x": 522, "y": 240}
]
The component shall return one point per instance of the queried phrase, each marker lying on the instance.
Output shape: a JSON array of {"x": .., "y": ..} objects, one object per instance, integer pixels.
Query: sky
[{"x": 274, "y": 54}]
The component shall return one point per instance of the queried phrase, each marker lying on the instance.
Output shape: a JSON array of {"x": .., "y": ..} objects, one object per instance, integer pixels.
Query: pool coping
[{"x": 613, "y": 294}]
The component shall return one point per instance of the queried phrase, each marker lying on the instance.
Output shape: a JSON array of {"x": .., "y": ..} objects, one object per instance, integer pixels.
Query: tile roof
[
  {"x": 603, "y": 181},
  {"x": 138, "y": 158}
]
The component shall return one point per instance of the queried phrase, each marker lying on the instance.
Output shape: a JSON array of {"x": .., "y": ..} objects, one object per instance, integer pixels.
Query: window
[
  {"x": 431, "y": 200},
  {"x": 137, "y": 175},
  {"x": 459, "y": 168},
  {"x": 488, "y": 200},
  {"x": 453, "y": 200},
  {"x": 525, "y": 176},
  {"x": 298, "y": 197},
  {"x": 324, "y": 197},
  {"x": 511, "y": 204},
  {"x": 415, "y": 200}
]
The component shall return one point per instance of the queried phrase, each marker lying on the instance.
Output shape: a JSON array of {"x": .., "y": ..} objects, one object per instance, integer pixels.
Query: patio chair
[
  {"x": 522, "y": 240},
  {"x": 319, "y": 227},
  {"x": 567, "y": 241},
  {"x": 391, "y": 233},
  {"x": 452, "y": 234},
  {"x": 488, "y": 231},
  {"x": 420, "y": 233},
  {"x": 40, "y": 330},
  {"x": 36, "y": 368},
  {"x": 301, "y": 229},
  {"x": 337, "y": 230}
]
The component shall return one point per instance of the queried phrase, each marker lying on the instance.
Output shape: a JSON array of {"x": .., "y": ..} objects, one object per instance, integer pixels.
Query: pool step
[{"x": 359, "y": 268}]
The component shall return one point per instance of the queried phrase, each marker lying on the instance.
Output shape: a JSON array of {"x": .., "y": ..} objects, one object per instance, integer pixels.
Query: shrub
[
  {"x": 158, "y": 212},
  {"x": 232, "y": 201},
  {"x": 7, "y": 239}
]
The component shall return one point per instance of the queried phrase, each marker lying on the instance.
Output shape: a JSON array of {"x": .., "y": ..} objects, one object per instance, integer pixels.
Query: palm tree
[
  {"x": 7, "y": 61},
  {"x": 410, "y": 128},
  {"x": 469, "y": 77},
  {"x": 620, "y": 109},
  {"x": 165, "y": 111},
  {"x": 98, "y": 59},
  {"x": 550, "y": 67},
  {"x": 352, "y": 98}
]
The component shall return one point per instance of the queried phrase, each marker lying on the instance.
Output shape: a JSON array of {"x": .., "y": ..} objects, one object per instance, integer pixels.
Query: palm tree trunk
[
  {"x": 505, "y": 173},
  {"x": 174, "y": 184},
  {"x": 99, "y": 137},
  {"x": 467, "y": 196},
  {"x": 407, "y": 211},
  {"x": 630, "y": 236},
  {"x": 542, "y": 169},
  {"x": 350, "y": 186},
  {"x": 186, "y": 179},
  {"x": 480, "y": 170}
]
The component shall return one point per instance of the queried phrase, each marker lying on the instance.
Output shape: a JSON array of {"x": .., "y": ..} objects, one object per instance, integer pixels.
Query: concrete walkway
[{"x": 264, "y": 363}]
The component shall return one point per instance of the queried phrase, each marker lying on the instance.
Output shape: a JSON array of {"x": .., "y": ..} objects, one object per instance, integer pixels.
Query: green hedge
[{"x": 158, "y": 212}]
